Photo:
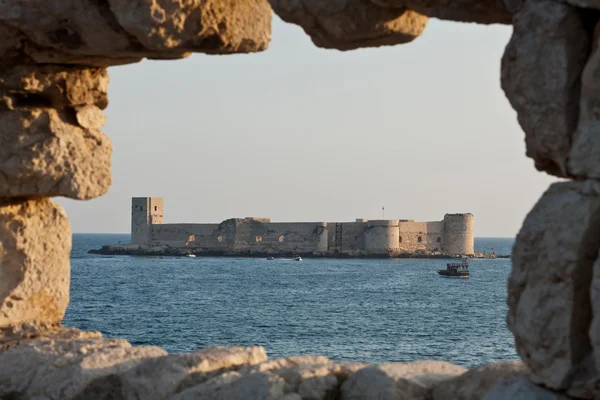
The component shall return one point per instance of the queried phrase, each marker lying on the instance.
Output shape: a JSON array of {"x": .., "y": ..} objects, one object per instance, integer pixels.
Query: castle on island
[{"x": 252, "y": 236}]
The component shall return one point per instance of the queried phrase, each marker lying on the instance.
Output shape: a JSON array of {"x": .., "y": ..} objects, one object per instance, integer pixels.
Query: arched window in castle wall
[
  {"x": 400, "y": 239},
  {"x": 420, "y": 239},
  {"x": 439, "y": 240}
]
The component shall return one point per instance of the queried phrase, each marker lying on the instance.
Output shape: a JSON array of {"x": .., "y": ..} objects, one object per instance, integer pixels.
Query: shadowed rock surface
[
  {"x": 351, "y": 24},
  {"x": 541, "y": 76}
]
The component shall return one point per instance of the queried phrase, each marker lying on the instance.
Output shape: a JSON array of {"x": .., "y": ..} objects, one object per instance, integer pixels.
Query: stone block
[
  {"x": 160, "y": 378},
  {"x": 45, "y": 152},
  {"x": 541, "y": 76},
  {"x": 52, "y": 86},
  {"x": 291, "y": 378},
  {"x": 474, "y": 384},
  {"x": 115, "y": 32},
  {"x": 18, "y": 334},
  {"x": 398, "y": 381},
  {"x": 351, "y": 24},
  {"x": 35, "y": 244},
  {"x": 549, "y": 286},
  {"x": 211, "y": 26},
  {"x": 59, "y": 369}
]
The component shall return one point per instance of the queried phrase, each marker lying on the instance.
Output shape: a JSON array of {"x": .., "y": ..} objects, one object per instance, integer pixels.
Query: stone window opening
[
  {"x": 439, "y": 240},
  {"x": 419, "y": 239},
  {"x": 155, "y": 208},
  {"x": 400, "y": 239}
]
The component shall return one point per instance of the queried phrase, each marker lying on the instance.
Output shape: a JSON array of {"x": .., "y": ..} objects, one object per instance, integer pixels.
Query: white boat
[
  {"x": 298, "y": 258},
  {"x": 191, "y": 255},
  {"x": 270, "y": 258}
]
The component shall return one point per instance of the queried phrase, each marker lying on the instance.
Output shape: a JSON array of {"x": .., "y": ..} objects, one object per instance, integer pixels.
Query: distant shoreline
[{"x": 146, "y": 251}]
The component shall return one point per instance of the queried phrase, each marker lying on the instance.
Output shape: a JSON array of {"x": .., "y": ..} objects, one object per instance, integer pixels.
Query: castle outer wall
[{"x": 454, "y": 235}]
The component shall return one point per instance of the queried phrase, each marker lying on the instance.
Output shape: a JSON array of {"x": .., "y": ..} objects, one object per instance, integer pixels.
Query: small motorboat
[
  {"x": 191, "y": 255},
  {"x": 455, "y": 270},
  {"x": 297, "y": 258},
  {"x": 270, "y": 258}
]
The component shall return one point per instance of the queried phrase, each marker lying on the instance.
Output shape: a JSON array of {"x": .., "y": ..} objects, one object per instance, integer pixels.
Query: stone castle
[{"x": 454, "y": 235}]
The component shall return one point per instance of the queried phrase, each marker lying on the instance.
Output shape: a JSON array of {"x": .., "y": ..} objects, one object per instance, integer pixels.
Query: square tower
[{"x": 145, "y": 212}]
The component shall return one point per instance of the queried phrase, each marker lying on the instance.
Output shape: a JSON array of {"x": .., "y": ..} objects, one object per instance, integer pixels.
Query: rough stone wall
[
  {"x": 414, "y": 237},
  {"x": 435, "y": 240},
  {"x": 362, "y": 238},
  {"x": 243, "y": 235},
  {"x": 381, "y": 237},
  {"x": 188, "y": 235},
  {"x": 353, "y": 237}
]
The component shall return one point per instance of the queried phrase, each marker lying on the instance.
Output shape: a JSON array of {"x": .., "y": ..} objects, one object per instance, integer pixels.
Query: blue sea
[{"x": 349, "y": 310}]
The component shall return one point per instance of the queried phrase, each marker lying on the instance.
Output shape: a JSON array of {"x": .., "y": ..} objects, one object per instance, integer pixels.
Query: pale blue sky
[{"x": 299, "y": 133}]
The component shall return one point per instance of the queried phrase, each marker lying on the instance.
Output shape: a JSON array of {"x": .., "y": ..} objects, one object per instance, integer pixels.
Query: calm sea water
[{"x": 348, "y": 310}]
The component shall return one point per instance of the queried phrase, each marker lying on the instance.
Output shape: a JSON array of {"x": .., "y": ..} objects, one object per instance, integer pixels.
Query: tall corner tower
[
  {"x": 145, "y": 212},
  {"x": 459, "y": 234}
]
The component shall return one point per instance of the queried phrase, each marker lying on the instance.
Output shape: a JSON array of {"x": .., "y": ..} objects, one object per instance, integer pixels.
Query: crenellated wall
[{"x": 259, "y": 235}]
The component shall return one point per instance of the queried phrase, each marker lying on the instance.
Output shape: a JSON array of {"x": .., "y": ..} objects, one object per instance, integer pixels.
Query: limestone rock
[
  {"x": 35, "y": 244},
  {"x": 541, "y": 73},
  {"x": 398, "y": 381},
  {"x": 474, "y": 384},
  {"x": 301, "y": 377},
  {"x": 549, "y": 286},
  {"x": 291, "y": 378},
  {"x": 159, "y": 378},
  {"x": 45, "y": 153},
  {"x": 34, "y": 86},
  {"x": 115, "y": 32},
  {"x": 212, "y": 26},
  {"x": 351, "y": 24},
  {"x": 15, "y": 335},
  {"x": 60, "y": 369},
  {"x": 231, "y": 386},
  {"x": 479, "y": 11},
  {"x": 521, "y": 389}
]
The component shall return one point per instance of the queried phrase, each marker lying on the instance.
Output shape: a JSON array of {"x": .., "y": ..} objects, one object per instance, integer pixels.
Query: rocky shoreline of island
[{"x": 167, "y": 251}]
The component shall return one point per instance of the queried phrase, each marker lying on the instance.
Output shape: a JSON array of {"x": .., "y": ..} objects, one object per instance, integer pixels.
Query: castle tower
[
  {"x": 382, "y": 237},
  {"x": 145, "y": 211},
  {"x": 459, "y": 234}
]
